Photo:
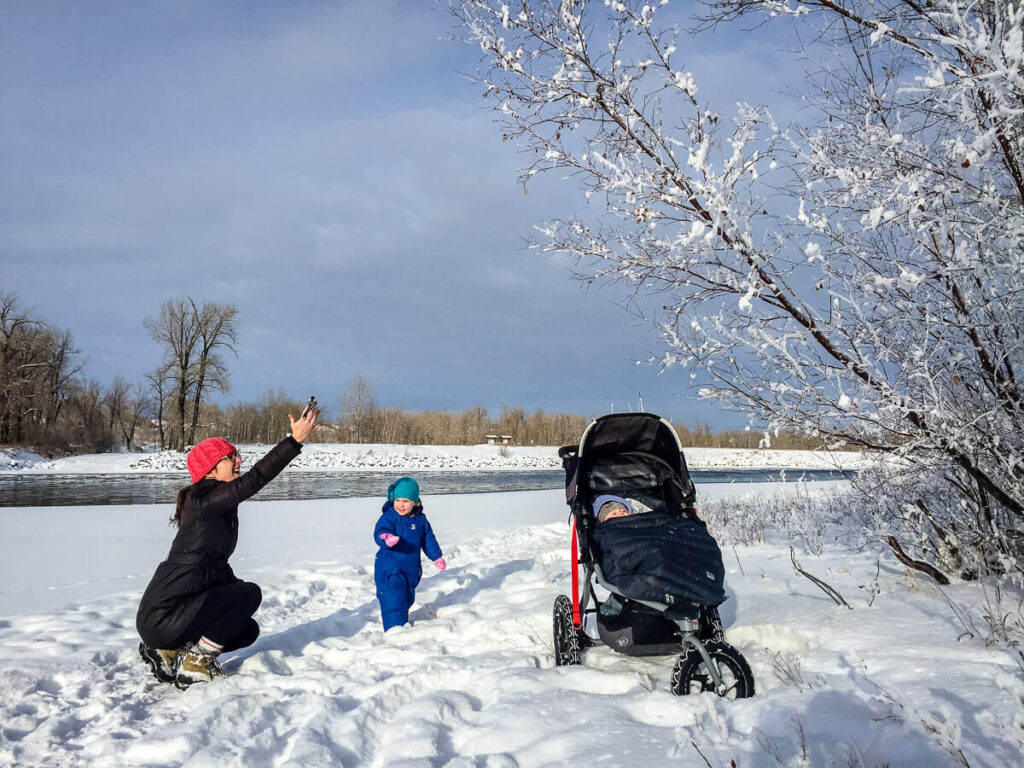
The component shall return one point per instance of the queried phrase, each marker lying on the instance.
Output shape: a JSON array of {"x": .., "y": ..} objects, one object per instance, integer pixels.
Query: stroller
[{"x": 638, "y": 457}]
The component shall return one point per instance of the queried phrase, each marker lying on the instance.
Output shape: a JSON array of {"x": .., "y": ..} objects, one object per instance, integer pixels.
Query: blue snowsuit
[{"x": 397, "y": 569}]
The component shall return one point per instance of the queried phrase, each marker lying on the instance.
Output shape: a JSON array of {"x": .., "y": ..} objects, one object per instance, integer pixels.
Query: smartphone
[{"x": 311, "y": 405}]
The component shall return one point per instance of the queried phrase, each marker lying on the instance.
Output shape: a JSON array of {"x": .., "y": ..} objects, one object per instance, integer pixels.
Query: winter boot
[
  {"x": 196, "y": 665},
  {"x": 161, "y": 662}
]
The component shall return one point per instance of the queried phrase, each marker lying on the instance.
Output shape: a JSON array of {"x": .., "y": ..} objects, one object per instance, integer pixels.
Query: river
[{"x": 56, "y": 490}]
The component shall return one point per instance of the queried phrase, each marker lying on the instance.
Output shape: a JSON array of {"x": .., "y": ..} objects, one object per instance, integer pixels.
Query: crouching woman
[{"x": 194, "y": 607}]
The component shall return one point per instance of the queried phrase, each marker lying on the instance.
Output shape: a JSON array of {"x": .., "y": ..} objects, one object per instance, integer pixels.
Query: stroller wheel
[
  {"x": 691, "y": 675},
  {"x": 568, "y": 648}
]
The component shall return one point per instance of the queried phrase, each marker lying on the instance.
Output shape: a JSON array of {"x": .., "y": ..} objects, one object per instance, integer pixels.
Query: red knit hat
[{"x": 204, "y": 457}]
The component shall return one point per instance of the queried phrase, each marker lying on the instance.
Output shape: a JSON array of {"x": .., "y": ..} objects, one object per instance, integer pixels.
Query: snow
[
  {"x": 472, "y": 682},
  {"x": 14, "y": 458},
  {"x": 340, "y": 457}
]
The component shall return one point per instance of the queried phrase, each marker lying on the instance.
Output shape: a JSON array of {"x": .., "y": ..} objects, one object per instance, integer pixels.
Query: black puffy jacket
[
  {"x": 198, "y": 560},
  {"x": 661, "y": 558}
]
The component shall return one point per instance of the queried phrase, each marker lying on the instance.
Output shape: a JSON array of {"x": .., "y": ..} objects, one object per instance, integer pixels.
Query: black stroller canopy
[
  {"x": 644, "y": 432},
  {"x": 623, "y": 452}
]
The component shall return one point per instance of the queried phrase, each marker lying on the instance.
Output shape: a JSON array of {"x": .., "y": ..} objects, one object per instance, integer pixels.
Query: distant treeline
[
  {"x": 362, "y": 421},
  {"x": 47, "y": 404}
]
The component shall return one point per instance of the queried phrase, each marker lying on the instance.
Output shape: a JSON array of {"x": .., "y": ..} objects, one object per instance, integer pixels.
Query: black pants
[{"x": 225, "y": 617}]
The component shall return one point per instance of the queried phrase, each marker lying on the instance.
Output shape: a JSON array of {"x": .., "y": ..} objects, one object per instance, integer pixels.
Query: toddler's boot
[
  {"x": 196, "y": 665},
  {"x": 161, "y": 662}
]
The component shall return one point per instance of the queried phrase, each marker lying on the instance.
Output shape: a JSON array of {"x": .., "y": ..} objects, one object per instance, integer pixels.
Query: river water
[{"x": 54, "y": 490}]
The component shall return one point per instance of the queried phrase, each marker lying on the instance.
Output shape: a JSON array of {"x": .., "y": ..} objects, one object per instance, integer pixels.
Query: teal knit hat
[{"x": 404, "y": 488}]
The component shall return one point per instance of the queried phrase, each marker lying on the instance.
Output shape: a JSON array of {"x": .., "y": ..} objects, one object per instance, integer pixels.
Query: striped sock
[{"x": 208, "y": 645}]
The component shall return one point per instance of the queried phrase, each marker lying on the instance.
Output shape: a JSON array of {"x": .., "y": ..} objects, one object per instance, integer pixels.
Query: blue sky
[{"x": 324, "y": 167}]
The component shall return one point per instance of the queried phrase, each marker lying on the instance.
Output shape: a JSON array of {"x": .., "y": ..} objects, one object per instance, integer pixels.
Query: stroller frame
[
  {"x": 655, "y": 442},
  {"x": 688, "y": 628}
]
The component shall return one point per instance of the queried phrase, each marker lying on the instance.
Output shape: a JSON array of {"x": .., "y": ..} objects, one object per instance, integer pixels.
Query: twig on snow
[
  {"x": 828, "y": 590},
  {"x": 737, "y": 555},
  {"x": 708, "y": 762},
  {"x": 873, "y": 589},
  {"x": 970, "y": 630}
]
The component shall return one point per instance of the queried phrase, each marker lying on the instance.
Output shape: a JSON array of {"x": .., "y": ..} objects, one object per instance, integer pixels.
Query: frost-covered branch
[{"x": 878, "y": 299}]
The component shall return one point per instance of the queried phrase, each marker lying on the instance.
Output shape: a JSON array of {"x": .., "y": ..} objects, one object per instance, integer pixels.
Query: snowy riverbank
[
  {"x": 336, "y": 457},
  {"x": 893, "y": 681}
]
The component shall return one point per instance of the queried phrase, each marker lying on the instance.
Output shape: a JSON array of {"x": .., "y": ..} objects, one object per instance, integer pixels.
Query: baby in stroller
[
  {"x": 637, "y": 535},
  {"x": 656, "y": 557},
  {"x": 610, "y": 507}
]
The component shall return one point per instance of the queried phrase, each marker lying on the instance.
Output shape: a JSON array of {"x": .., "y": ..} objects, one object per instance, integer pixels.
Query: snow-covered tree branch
[{"x": 880, "y": 303}]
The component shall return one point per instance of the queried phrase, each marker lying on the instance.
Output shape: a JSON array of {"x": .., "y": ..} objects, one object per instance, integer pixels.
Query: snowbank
[
  {"x": 14, "y": 459},
  {"x": 345, "y": 457}
]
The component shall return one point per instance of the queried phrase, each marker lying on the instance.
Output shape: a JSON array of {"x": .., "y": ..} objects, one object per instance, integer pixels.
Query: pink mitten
[
  {"x": 440, "y": 563},
  {"x": 389, "y": 538}
]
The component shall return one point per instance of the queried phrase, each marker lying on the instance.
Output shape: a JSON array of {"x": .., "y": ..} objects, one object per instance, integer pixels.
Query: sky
[{"x": 329, "y": 169}]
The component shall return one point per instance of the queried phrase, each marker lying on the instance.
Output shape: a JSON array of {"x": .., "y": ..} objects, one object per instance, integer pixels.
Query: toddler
[{"x": 401, "y": 532}]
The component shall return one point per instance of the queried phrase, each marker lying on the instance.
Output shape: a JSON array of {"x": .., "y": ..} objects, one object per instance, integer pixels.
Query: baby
[{"x": 609, "y": 507}]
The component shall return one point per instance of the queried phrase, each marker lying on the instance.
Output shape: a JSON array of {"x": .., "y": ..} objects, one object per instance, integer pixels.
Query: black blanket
[{"x": 661, "y": 558}]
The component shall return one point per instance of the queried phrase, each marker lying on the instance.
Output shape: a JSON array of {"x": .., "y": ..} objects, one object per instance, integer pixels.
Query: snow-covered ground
[
  {"x": 894, "y": 681},
  {"x": 341, "y": 457}
]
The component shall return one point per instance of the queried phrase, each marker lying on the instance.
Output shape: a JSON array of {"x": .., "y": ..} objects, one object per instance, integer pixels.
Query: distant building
[{"x": 499, "y": 439}]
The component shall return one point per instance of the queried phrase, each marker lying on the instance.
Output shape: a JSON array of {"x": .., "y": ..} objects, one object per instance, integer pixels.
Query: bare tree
[
  {"x": 270, "y": 413},
  {"x": 129, "y": 405},
  {"x": 192, "y": 336},
  {"x": 216, "y": 326},
  {"x": 359, "y": 409},
  {"x": 89, "y": 417},
  {"x": 878, "y": 300},
  {"x": 512, "y": 422},
  {"x": 160, "y": 387},
  {"x": 64, "y": 366},
  {"x": 16, "y": 330},
  {"x": 473, "y": 426},
  {"x": 177, "y": 331},
  {"x": 115, "y": 401},
  {"x": 37, "y": 365}
]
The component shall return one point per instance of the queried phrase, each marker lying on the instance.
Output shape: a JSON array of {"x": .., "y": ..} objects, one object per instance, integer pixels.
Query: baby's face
[
  {"x": 616, "y": 513},
  {"x": 403, "y": 506}
]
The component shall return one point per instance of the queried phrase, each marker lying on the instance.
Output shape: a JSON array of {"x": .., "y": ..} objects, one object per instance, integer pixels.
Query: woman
[{"x": 194, "y": 607}]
